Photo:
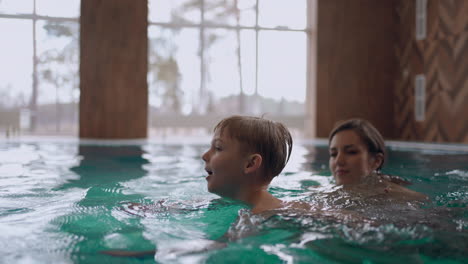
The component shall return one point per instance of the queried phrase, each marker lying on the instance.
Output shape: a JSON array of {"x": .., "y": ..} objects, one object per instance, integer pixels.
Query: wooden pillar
[
  {"x": 310, "y": 122},
  {"x": 113, "y": 69},
  {"x": 356, "y": 63}
]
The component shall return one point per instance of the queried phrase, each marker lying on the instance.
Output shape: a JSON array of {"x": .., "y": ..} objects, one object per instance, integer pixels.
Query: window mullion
[
  {"x": 202, "y": 57},
  {"x": 33, "y": 102},
  {"x": 256, "y": 47}
]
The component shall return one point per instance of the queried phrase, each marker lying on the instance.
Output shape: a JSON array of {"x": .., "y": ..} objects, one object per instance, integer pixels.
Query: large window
[
  {"x": 212, "y": 58},
  {"x": 207, "y": 59},
  {"x": 39, "y": 84}
]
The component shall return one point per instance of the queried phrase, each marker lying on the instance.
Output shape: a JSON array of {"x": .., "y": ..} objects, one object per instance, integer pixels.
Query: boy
[{"x": 246, "y": 153}]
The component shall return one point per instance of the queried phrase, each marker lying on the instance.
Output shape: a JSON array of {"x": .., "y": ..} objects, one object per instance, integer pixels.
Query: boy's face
[{"x": 225, "y": 163}]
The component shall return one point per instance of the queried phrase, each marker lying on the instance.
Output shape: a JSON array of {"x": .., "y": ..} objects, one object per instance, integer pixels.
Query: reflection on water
[
  {"x": 102, "y": 171},
  {"x": 63, "y": 203},
  {"x": 101, "y": 165}
]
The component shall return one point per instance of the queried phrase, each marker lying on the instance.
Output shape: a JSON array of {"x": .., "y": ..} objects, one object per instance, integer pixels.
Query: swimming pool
[{"x": 64, "y": 202}]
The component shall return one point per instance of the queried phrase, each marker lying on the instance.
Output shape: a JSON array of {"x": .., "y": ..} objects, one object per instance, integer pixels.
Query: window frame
[
  {"x": 34, "y": 18},
  {"x": 309, "y": 30}
]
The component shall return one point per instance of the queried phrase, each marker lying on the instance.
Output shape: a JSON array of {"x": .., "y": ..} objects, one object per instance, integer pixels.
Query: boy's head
[{"x": 271, "y": 140}]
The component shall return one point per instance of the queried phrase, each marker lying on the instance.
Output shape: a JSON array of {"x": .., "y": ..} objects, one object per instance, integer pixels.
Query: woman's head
[{"x": 356, "y": 150}]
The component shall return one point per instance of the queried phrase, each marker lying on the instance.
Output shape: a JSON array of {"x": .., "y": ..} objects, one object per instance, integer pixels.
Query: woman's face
[{"x": 350, "y": 160}]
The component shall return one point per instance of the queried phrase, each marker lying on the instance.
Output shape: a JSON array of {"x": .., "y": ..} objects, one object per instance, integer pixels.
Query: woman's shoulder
[
  {"x": 403, "y": 193},
  {"x": 395, "y": 179},
  {"x": 396, "y": 188}
]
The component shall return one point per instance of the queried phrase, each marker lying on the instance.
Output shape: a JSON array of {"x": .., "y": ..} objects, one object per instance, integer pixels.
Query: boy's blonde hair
[{"x": 270, "y": 139}]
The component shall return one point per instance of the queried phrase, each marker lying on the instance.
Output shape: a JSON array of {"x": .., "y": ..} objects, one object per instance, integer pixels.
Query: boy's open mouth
[{"x": 208, "y": 171}]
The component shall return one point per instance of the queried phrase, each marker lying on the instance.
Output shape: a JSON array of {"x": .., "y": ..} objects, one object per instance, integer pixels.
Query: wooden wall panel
[
  {"x": 452, "y": 17},
  {"x": 367, "y": 60},
  {"x": 113, "y": 69},
  {"x": 441, "y": 57},
  {"x": 356, "y": 63},
  {"x": 410, "y": 61}
]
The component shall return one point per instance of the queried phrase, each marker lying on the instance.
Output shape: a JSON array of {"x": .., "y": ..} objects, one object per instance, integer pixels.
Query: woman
[{"x": 357, "y": 154}]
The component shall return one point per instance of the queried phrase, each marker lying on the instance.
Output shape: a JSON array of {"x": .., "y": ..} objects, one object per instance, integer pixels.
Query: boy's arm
[
  {"x": 202, "y": 246},
  {"x": 195, "y": 246},
  {"x": 127, "y": 253}
]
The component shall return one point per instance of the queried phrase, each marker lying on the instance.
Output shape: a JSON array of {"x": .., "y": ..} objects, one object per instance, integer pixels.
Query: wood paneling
[
  {"x": 356, "y": 63},
  {"x": 441, "y": 57},
  {"x": 367, "y": 60},
  {"x": 113, "y": 69}
]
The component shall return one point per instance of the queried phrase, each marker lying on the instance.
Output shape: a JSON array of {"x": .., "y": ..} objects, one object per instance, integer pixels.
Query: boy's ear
[{"x": 254, "y": 162}]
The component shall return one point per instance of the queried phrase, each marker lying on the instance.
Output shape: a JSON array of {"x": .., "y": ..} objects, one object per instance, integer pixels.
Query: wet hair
[
  {"x": 270, "y": 139},
  {"x": 369, "y": 135}
]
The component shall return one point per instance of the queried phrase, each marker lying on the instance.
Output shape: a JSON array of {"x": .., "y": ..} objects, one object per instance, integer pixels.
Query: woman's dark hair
[{"x": 368, "y": 134}]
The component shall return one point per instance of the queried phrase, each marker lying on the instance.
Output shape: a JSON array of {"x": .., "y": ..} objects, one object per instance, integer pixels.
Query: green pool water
[{"x": 65, "y": 202}]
